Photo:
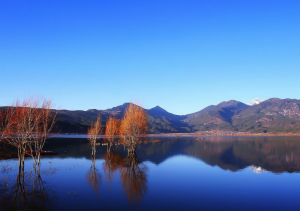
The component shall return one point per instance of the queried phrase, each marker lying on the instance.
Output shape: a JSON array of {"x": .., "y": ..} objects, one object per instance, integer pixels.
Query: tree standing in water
[
  {"x": 93, "y": 134},
  {"x": 27, "y": 125},
  {"x": 133, "y": 127},
  {"x": 111, "y": 131},
  {"x": 46, "y": 122},
  {"x": 22, "y": 126}
]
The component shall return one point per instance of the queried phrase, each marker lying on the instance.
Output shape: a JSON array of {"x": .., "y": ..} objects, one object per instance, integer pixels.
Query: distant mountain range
[
  {"x": 159, "y": 120},
  {"x": 272, "y": 115}
]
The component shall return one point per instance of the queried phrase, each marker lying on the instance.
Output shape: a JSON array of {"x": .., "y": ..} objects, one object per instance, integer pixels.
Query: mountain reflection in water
[
  {"x": 275, "y": 154},
  {"x": 170, "y": 174}
]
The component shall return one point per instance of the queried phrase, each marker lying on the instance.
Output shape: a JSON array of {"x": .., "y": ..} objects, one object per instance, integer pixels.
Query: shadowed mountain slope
[
  {"x": 159, "y": 120},
  {"x": 216, "y": 116}
]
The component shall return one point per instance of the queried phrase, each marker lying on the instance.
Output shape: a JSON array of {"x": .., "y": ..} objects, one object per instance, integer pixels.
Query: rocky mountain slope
[{"x": 270, "y": 116}]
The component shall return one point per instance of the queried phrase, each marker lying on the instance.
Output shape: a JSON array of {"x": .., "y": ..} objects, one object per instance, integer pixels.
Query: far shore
[
  {"x": 228, "y": 133},
  {"x": 199, "y": 134}
]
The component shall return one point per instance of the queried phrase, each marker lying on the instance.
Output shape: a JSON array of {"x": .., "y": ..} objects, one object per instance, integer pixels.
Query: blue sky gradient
[{"x": 181, "y": 55}]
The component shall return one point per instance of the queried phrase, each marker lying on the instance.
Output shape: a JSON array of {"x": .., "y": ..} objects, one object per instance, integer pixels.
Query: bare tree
[
  {"x": 22, "y": 128},
  {"x": 133, "y": 126},
  {"x": 27, "y": 125},
  {"x": 46, "y": 121},
  {"x": 93, "y": 134}
]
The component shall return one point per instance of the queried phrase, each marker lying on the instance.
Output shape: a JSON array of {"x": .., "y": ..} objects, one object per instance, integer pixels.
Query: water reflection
[
  {"x": 112, "y": 164},
  {"x": 275, "y": 154},
  {"x": 134, "y": 178},
  {"x": 133, "y": 175},
  {"x": 129, "y": 181},
  {"x": 26, "y": 192},
  {"x": 257, "y": 169},
  {"x": 94, "y": 177}
]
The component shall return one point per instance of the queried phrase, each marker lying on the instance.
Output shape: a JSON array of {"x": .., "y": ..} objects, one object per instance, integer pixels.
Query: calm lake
[{"x": 217, "y": 173}]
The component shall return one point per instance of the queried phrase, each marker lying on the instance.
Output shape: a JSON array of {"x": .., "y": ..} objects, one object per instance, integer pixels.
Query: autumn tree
[
  {"x": 93, "y": 134},
  {"x": 27, "y": 125},
  {"x": 6, "y": 121},
  {"x": 133, "y": 126},
  {"x": 112, "y": 131},
  {"x": 22, "y": 127},
  {"x": 47, "y": 117}
]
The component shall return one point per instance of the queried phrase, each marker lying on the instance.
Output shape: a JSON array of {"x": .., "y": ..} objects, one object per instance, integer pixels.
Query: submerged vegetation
[{"x": 93, "y": 134}]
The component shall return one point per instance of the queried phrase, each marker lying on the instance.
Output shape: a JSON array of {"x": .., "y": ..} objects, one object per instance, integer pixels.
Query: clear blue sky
[{"x": 181, "y": 55}]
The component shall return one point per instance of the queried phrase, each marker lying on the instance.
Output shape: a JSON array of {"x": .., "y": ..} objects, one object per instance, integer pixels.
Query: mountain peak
[
  {"x": 228, "y": 103},
  {"x": 158, "y": 108},
  {"x": 255, "y": 101}
]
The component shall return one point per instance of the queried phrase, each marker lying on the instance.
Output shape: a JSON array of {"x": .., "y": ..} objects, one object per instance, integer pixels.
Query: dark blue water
[{"x": 217, "y": 173}]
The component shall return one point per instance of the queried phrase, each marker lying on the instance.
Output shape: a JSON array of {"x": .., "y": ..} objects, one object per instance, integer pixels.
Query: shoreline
[{"x": 201, "y": 134}]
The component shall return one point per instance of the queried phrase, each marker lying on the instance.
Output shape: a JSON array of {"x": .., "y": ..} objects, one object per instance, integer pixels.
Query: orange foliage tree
[
  {"x": 133, "y": 126},
  {"x": 112, "y": 130},
  {"x": 46, "y": 121},
  {"x": 93, "y": 134},
  {"x": 27, "y": 125},
  {"x": 6, "y": 120}
]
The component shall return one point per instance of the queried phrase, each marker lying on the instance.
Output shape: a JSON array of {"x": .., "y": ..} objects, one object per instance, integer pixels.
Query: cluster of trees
[
  {"x": 26, "y": 126},
  {"x": 131, "y": 129}
]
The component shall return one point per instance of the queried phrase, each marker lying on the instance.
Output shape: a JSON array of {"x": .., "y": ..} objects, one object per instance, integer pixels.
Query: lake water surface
[{"x": 217, "y": 173}]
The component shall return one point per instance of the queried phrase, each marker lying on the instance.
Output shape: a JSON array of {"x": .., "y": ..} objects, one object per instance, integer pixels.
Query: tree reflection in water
[
  {"x": 94, "y": 177},
  {"x": 133, "y": 175},
  {"x": 28, "y": 192},
  {"x": 112, "y": 163},
  {"x": 134, "y": 178}
]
